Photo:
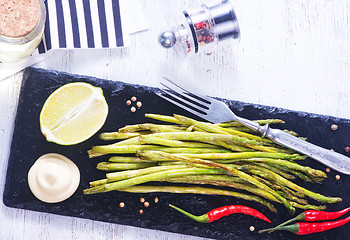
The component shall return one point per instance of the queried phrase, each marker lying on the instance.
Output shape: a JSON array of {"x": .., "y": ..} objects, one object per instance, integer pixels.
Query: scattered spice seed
[
  {"x": 133, "y": 99},
  {"x": 121, "y": 204},
  {"x": 347, "y": 149},
  {"x": 142, "y": 200},
  {"x": 334, "y": 127},
  {"x": 252, "y": 228},
  {"x": 139, "y": 104},
  {"x": 141, "y": 211},
  {"x": 337, "y": 177},
  {"x": 332, "y": 149},
  {"x": 128, "y": 102},
  {"x": 156, "y": 200},
  {"x": 146, "y": 204},
  {"x": 133, "y": 109},
  {"x": 328, "y": 170}
]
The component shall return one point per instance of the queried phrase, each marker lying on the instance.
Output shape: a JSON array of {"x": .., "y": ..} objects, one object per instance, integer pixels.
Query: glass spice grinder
[{"x": 202, "y": 28}]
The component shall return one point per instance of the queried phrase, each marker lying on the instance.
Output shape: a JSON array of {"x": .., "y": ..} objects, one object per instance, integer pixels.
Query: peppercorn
[
  {"x": 142, "y": 200},
  {"x": 133, "y": 109},
  {"x": 121, "y": 204},
  {"x": 128, "y": 102},
  {"x": 146, "y": 204},
  {"x": 198, "y": 25},
  {"x": 347, "y": 149},
  {"x": 139, "y": 104},
  {"x": 133, "y": 99}
]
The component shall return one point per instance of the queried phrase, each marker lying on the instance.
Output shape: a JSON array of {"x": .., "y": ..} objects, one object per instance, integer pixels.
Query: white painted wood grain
[{"x": 292, "y": 54}]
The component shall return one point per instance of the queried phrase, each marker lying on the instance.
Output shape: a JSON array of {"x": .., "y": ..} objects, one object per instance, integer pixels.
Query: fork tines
[{"x": 181, "y": 97}]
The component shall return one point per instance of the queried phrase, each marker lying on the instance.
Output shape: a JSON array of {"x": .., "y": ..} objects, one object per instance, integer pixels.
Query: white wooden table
[{"x": 292, "y": 54}]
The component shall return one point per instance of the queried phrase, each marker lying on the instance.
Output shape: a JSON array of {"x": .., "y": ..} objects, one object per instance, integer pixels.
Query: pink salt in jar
[{"x": 22, "y": 25}]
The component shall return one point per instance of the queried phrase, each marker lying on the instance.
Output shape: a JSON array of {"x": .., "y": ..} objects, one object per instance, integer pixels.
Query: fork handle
[
  {"x": 253, "y": 125},
  {"x": 332, "y": 159}
]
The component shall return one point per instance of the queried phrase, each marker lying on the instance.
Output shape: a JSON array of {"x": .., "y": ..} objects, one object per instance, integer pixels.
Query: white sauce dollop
[{"x": 53, "y": 178}]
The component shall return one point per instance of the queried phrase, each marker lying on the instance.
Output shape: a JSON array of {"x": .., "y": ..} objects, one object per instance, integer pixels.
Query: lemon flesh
[{"x": 73, "y": 113}]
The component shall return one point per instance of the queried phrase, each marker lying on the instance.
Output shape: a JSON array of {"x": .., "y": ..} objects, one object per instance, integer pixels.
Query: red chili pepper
[
  {"x": 304, "y": 228},
  {"x": 315, "y": 215},
  {"x": 218, "y": 213}
]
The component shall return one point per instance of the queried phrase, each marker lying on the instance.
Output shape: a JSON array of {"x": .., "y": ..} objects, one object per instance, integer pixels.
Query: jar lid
[{"x": 224, "y": 17}]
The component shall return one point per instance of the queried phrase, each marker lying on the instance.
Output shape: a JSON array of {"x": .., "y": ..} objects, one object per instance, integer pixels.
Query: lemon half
[{"x": 73, "y": 113}]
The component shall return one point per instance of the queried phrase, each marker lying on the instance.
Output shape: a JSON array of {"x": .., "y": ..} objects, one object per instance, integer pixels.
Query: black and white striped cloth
[{"x": 82, "y": 24}]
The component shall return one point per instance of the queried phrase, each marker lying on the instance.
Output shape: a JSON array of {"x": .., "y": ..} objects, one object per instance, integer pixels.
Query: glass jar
[
  {"x": 200, "y": 29},
  {"x": 15, "y": 48}
]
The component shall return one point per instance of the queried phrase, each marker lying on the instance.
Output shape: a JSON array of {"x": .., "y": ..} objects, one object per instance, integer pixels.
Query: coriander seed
[
  {"x": 334, "y": 127},
  {"x": 347, "y": 149}
]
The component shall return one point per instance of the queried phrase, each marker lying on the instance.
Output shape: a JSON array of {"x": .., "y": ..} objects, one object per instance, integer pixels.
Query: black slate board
[{"x": 28, "y": 144}]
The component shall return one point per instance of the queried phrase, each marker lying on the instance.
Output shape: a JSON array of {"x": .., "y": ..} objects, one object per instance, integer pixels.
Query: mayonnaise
[{"x": 53, "y": 178}]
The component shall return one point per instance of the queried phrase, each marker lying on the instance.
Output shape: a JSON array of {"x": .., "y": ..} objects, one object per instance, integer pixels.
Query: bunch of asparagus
[{"x": 223, "y": 156}]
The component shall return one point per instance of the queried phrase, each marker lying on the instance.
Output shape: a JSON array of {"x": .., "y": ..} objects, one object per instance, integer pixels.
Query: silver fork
[{"x": 216, "y": 111}]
